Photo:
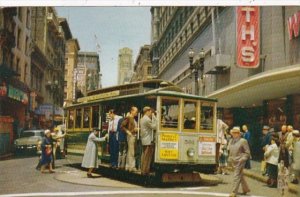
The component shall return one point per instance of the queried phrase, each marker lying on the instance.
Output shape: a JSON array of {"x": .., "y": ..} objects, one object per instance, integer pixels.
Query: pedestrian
[
  {"x": 247, "y": 136},
  {"x": 271, "y": 156},
  {"x": 46, "y": 159},
  {"x": 296, "y": 139},
  {"x": 56, "y": 139},
  {"x": 90, "y": 157},
  {"x": 239, "y": 153},
  {"x": 283, "y": 174},
  {"x": 265, "y": 140},
  {"x": 148, "y": 125},
  {"x": 221, "y": 130},
  {"x": 223, "y": 158},
  {"x": 130, "y": 126},
  {"x": 113, "y": 141},
  {"x": 284, "y": 152}
]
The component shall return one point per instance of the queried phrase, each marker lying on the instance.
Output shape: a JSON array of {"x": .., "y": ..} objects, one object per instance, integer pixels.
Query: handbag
[{"x": 48, "y": 151}]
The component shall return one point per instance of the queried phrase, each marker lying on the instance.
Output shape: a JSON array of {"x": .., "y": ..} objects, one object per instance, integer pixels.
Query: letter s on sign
[{"x": 248, "y": 54}]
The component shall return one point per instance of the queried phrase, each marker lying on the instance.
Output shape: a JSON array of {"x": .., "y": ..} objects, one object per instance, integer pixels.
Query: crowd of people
[
  {"x": 122, "y": 137},
  {"x": 277, "y": 148}
]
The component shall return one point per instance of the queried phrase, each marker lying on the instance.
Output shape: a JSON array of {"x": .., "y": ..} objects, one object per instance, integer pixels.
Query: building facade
[
  {"x": 72, "y": 48},
  {"x": 267, "y": 94},
  {"x": 88, "y": 72},
  {"x": 125, "y": 68},
  {"x": 15, "y": 62},
  {"x": 142, "y": 66},
  {"x": 49, "y": 33}
]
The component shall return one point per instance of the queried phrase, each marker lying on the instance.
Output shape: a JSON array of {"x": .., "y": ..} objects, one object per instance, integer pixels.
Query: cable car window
[
  {"x": 169, "y": 113},
  {"x": 207, "y": 114},
  {"x": 189, "y": 115},
  {"x": 95, "y": 112},
  {"x": 78, "y": 118},
  {"x": 71, "y": 119},
  {"x": 86, "y": 117}
]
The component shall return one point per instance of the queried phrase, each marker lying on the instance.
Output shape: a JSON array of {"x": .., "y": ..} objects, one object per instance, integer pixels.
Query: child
[{"x": 283, "y": 173}]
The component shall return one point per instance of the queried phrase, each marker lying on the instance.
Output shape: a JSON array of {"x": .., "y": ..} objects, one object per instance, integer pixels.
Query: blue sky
[{"x": 115, "y": 28}]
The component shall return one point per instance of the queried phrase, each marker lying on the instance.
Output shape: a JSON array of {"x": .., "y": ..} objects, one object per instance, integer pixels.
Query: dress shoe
[
  {"x": 245, "y": 192},
  {"x": 89, "y": 175},
  {"x": 232, "y": 195}
]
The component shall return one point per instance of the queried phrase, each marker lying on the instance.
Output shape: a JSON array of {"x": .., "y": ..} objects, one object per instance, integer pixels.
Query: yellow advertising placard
[{"x": 168, "y": 146}]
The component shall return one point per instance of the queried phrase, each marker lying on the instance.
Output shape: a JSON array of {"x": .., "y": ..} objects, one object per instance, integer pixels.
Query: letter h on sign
[{"x": 247, "y": 36}]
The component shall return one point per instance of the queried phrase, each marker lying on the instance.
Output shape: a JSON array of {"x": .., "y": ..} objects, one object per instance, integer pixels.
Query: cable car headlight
[{"x": 191, "y": 152}]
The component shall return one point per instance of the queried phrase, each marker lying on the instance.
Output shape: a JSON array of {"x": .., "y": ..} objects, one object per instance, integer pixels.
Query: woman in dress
[
  {"x": 90, "y": 157},
  {"x": 47, "y": 152}
]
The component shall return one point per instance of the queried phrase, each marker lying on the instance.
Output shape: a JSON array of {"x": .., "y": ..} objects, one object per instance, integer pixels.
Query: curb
[
  {"x": 292, "y": 187},
  {"x": 2, "y": 157}
]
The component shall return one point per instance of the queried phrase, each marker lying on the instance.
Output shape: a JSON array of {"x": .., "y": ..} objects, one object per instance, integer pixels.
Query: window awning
[{"x": 268, "y": 85}]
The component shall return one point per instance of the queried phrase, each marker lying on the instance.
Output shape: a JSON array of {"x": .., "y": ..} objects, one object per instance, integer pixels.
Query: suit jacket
[
  {"x": 239, "y": 151},
  {"x": 147, "y": 127}
]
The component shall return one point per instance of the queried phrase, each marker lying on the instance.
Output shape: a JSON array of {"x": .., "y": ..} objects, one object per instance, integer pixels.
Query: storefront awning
[{"x": 268, "y": 85}]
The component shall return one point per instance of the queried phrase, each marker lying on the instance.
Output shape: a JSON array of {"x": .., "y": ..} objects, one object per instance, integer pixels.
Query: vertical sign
[
  {"x": 74, "y": 83},
  {"x": 247, "y": 35}
]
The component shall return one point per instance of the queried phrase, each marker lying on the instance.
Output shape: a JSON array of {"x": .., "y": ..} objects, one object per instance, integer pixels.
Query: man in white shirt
[{"x": 113, "y": 141}]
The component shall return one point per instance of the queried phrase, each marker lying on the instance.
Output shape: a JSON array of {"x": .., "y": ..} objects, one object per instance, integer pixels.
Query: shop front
[
  {"x": 270, "y": 98},
  {"x": 13, "y": 113},
  {"x": 49, "y": 115}
]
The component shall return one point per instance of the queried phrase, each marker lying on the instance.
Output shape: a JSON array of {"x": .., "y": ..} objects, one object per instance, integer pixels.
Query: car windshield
[{"x": 32, "y": 133}]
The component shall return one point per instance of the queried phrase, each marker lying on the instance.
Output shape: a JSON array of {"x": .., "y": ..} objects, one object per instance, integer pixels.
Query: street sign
[{"x": 247, "y": 35}]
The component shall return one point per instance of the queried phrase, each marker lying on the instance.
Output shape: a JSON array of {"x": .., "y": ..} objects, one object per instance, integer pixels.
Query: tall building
[
  {"x": 142, "y": 66},
  {"x": 72, "y": 48},
  {"x": 15, "y": 49},
  {"x": 88, "y": 72},
  {"x": 49, "y": 33},
  {"x": 267, "y": 94},
  {"x": 124, "y": 65}
]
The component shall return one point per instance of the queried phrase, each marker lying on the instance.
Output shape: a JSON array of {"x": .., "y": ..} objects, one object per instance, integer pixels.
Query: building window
[
  {"x": 192, "y": 27},
  {"x": 25, "y": 73},
  {"x": 19, "y": 39},
  {"x": 149, "y": 70},
  {"x": 17, "y": 66}
]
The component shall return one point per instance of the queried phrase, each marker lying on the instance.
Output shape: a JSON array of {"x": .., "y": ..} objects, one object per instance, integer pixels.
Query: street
[{"x": 20, "y": 178}]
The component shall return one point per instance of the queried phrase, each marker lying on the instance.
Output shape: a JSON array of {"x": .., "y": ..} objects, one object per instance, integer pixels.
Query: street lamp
[
  {"x": 52, "y": 88},
  {"x": 197, "y": 66}
]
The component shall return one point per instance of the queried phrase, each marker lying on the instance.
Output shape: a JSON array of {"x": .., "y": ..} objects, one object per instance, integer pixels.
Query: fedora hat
[{"x": 235, "y": 130}]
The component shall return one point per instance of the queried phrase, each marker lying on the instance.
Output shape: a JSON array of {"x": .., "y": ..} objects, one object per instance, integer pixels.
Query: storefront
[
  {"x": 13, "y": 112},
  {"x": 45, "y": 114}
]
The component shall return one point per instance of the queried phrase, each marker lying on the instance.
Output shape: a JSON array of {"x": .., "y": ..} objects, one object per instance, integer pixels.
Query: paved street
[{"x": 19, "y": 178}]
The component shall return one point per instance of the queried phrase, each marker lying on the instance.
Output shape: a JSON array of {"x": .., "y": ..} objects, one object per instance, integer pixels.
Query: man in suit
[
  {"x": 148, "y": 124},
  {"x": 239, "y": 153}
]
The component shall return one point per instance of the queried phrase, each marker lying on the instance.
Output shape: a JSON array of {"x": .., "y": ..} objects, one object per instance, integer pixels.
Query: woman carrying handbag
[{"x": 47, "y": 152}]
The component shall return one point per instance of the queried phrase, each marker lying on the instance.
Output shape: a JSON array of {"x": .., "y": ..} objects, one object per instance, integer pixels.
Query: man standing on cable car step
[
  {"x": 130, "y": 126},
  {"x": 148, "y": 125},
  {"x": 113, "y": 141}
]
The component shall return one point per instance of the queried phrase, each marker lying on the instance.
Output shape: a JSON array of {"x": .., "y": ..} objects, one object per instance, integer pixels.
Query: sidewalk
[{"x": 256, "y": 174}]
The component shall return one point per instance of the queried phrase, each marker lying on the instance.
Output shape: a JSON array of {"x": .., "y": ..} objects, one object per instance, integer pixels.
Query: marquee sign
[{"x": 248, "y": 39}]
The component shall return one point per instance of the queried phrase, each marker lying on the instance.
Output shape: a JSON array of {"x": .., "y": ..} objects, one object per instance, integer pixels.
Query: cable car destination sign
[{"x": 247, "y": 35}]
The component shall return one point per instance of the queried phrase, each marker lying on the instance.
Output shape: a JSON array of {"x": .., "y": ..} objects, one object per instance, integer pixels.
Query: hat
[
  {"x": 145, "y": 109},
  {"x": 96, "y": 129},
  {"x": 266, "y": 127},
  {"x": 235, "y": 130},
  {"x": 296, "y": 132},
  {"x": 47, "y": 131}
]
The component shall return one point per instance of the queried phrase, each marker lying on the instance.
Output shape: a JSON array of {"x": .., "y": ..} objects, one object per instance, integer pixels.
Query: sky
[{"x": 114, "y": 27}]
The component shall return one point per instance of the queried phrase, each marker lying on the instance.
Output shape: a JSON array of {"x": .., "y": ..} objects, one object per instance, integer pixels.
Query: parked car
[{"x": 29, "y": 140}]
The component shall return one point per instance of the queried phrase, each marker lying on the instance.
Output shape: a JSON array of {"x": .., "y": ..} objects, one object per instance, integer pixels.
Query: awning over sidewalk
[{"x": 271, "y": 84}]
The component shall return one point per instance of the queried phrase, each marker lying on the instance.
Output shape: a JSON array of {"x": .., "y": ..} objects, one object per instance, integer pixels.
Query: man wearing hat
[
  {"x": 148, "y": 124},
  {"x": 239, "y": 153},
  {"x": 90, "y": 157}
]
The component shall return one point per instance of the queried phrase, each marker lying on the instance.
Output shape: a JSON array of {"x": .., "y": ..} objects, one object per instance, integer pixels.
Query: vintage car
[{"x": 29, "y": 140}]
